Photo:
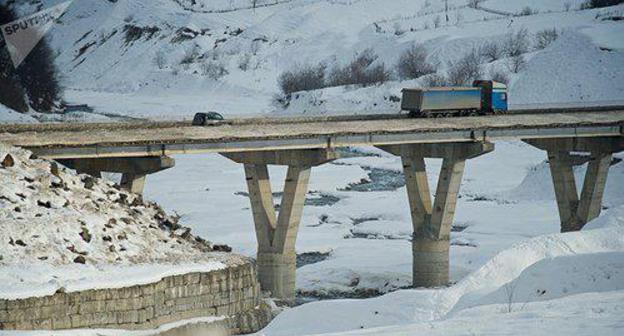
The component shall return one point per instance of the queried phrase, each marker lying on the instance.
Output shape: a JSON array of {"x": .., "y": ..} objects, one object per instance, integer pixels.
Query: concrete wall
[{"x": 232, "y": 292}]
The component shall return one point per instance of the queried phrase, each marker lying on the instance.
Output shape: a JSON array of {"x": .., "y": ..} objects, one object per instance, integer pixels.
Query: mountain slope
[{"x": 169, "y": 58}]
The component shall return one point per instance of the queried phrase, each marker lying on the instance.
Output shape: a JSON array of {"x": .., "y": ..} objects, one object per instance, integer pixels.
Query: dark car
[
  {"x": 204, "y": 118},
  {"x": 68, "y": 108}
]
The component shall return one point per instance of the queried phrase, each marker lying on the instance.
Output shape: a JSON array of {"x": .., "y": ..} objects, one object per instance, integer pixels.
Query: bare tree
[
  {"x": 213, "y": 69},
  {"x": 413, "y": 63},
  {"x": 466, "y": 69},
  {"x": 491, "y": 51},
  {"x": 545, "y": 37},
  {"x": 516, "y": 43},
  {"x": 363, "y": 69},
  {"x": 510, "y": 292},
  {"x": 516, "y": 64},
  {"x": 528, "y": 11},
  {"x": 304, "y": 78},
  {"x": 498, "y": 75}
]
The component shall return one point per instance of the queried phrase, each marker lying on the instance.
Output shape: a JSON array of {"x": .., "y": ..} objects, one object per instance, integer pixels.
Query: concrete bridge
[{"x": 569, "y": 136}]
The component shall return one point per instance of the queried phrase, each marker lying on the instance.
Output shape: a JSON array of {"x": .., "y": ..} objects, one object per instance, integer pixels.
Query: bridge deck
[{"x": 111, "y": 140}]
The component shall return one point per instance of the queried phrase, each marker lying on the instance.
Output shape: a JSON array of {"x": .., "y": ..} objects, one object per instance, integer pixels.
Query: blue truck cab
[{"x": 494, "y": 96}]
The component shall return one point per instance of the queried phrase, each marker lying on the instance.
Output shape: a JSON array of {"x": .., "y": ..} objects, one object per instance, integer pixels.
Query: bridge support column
[
  {"x": 133, "y": 182},
  {"x": 277, "y": 234},
  {"x": 133, "y": 170},
  {"x": 432, "y": 222},
  {"x": 563, "y": 155}
]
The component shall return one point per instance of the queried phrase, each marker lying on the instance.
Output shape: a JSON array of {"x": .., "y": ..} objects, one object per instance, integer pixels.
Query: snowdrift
[
  {"x": 537, "y": 184},
  {"x": 545, "y": 268}
]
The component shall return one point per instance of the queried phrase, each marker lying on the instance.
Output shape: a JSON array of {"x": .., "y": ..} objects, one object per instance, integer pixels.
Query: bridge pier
[
  {"x": 563, "y": 155},
  {"x": 276, "y": 235},
  {"x": 432, "y": 222},
  {"x": 133, "y": 170}
]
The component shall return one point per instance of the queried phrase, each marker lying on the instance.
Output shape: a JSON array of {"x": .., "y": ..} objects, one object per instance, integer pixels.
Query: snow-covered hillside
[{"x": 170, "y": 58}]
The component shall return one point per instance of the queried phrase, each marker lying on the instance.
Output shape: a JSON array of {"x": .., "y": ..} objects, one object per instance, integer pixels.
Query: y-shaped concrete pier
[
  {"x": 563, "y": 155},
  {"x": 432, "y": 222},
  {"x": 276, "y": 235},
  {"x": 431, "y": 219}
]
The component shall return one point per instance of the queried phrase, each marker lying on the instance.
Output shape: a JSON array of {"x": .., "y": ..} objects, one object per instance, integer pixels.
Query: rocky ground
[{"x": 85, "y": 228}]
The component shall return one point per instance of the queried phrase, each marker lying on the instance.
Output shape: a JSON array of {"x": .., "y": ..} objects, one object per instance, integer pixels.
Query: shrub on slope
[
  {"x": 364, "y": 69},
  {"x": 305, "y": 78},
  {"x": 413, "y": 63}
]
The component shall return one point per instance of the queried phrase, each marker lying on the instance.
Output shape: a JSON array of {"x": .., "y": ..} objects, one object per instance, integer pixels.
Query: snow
[
  {"x": 9, "y": 116},
  {"x": 163, "y": 329},
  {"x": 495, "y": 211},
  {"x": 211, "y": 199},
  {"x": 585, "y": 314},
  {"x": 559, "y": 276},
  {"x": 606, "y": 35},
  {"x": 536, "y": 184},
  {"x": 506, "y": 224},
  {"x": 22, "y": 281},
  {"x": 103, "y": 65},
  {"x": 542, "y": 269},
  {"x": 597, "y": 67},
  {"x": 541, "y": 6},
  {"x": 61, "y": 230}
]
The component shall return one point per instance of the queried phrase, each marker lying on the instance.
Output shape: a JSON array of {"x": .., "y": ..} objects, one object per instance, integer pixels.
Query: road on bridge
[{"x": 165, "y": 138}]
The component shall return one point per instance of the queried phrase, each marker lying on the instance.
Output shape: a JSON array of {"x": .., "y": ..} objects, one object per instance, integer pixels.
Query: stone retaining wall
[{"x": 232, "y": 292}]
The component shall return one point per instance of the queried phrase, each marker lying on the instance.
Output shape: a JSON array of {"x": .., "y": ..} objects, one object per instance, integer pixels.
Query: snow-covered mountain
[{"x": 169, "y": 58}]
